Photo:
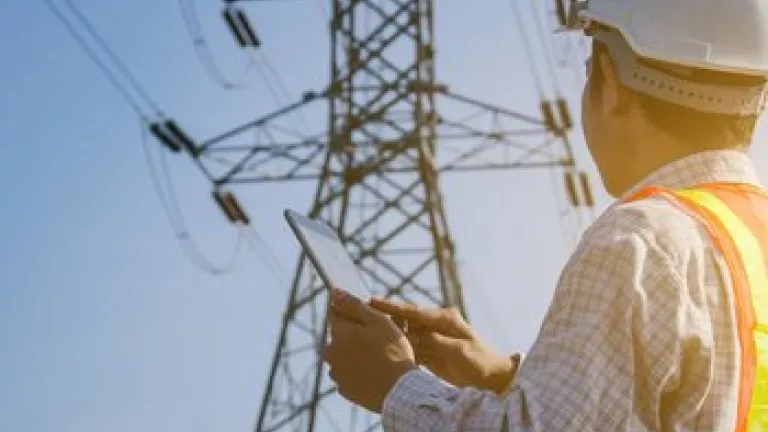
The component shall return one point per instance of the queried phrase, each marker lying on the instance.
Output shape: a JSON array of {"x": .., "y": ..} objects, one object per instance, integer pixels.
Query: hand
[
  {"x": 447, "y": 345},
  {"x": 363, "y": 341}
]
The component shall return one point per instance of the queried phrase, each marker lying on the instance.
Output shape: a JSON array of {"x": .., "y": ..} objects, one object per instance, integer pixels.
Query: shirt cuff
[{"x": 415, "y": 390}]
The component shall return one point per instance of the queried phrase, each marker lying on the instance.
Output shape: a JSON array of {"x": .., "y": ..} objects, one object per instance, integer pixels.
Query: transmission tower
[{"x": 377, "y": 168}]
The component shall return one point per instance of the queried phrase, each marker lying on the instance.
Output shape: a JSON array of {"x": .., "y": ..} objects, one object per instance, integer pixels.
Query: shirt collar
[{"x": 716, "y": 166}]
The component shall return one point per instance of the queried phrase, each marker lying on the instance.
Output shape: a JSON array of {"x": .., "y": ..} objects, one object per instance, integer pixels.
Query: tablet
[{"x": 327, "y": 254}]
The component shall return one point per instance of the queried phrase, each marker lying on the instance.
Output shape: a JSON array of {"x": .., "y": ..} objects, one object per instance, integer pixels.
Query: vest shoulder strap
[{"x": 736, "y": 219}]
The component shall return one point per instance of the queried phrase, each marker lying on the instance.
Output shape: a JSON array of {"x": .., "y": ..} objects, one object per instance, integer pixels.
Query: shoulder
[
  {"x": 635, "y": 258},
  {"x": 636, "y": 247},
  {"x": 649, "y": 227},
  {"x": 631, "y": 264}
]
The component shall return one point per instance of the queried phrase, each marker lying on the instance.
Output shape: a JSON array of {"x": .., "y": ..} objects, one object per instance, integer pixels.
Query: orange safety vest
[{"x": 736, "y": 218}]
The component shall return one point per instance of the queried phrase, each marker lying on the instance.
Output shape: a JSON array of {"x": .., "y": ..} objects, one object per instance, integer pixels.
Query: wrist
[{"x": 398, "y": 372}]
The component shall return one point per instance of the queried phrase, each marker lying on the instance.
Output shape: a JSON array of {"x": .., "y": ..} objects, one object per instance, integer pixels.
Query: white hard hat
[
  {"x": 722, "y": 35},
  {"x": 718, "y": 35}
]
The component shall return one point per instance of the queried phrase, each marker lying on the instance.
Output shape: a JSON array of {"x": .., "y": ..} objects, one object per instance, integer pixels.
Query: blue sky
[{"x": 104, "y": 324}]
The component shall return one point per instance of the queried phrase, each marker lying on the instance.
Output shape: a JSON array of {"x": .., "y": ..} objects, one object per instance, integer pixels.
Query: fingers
[
  {"x": 422, "y": 353},
  {"x": 425, "y": 352},
  {"x": 439, "y": 343},
  {"x": 415, "y": 340},
  {"x": 446, "y": 320},
  {"x": 340, "y": 327},
  {"x": 432, "y": 362},
  {"x": 352, "y": 308},
  {"x": 427, "y": 344},
  {"x": 329, "y": 355},
  {"x": 405, "y": 311}
]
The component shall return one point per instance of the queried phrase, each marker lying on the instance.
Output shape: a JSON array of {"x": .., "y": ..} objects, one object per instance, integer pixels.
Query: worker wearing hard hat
[{"x": 660, "y": 318}]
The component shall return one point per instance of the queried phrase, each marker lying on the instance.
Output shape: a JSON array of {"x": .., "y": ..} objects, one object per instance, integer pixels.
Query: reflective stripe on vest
[{"x": 736, "y": 218}]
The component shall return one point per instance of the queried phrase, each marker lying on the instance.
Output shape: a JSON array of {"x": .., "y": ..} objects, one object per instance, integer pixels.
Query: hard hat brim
[{"x": 649, "y": 41}]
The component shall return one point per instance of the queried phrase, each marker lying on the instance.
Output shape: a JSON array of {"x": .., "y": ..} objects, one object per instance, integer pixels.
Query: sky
[{"x": 104, "y": 323}]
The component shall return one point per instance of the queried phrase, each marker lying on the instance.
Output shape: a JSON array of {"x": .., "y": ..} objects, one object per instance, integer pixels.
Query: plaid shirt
[{"x": 640, "y": 335}]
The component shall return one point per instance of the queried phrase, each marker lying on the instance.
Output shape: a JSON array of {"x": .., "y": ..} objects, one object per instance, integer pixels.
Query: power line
[
  {"x": 169, "y": 203},
  {"x": 496, "y": 325},
  {"x": 254, "y": 240},
  {"x": 202, "y": 50},
  {"x": 320, "y": 5},
  {"x": 568, "y": 55},
  {"x": 272, "y": 79},
  {"x": 94, "y": 58},
  {"x": 175, "y": 217},
  {"x": 567, "y": 231},
  {"x": 282, "y": 87},
  {"x": 543, "y": 40},
  {"x": 120, "y": 65},
  {"x": 527, "y": 46}
]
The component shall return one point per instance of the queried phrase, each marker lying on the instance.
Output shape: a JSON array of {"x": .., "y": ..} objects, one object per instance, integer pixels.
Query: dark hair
[{"x": 700, "y": 130}]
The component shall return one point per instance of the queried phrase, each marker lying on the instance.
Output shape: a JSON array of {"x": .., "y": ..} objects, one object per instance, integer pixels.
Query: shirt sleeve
[{"x": 607, "y": 351}]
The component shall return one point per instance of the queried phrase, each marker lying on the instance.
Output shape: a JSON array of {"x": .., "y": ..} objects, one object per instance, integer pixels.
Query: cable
[
  {"x": 205, "y": 56},
  {"x": 549, "y": 65},
  {"x": 281, "y": 86},
  {"x": 176, "y": 220},
  {"x": 120, "y": 65},
  {"x": 320, "y": 5},
  {"x": 268, "y": 82},
  {"x": 274, "y": 93},
  {"x": 95, "y": 58},
  {"x": 280, "y": 82},
  {"x": 564, "y": 222},
  {"x": 169, "y": 203},
  {"x": 190, "y": 248},
  {"x": 203, "y": 52},
  {"x": 194, "y": 31},
  {"x": 175, "y": 217},
  {"x": 527, "y": 46},
  {"x": 546, "y": 47},
  {"x": 496, "y": 325},
  {"x": 569, "y": 56},
  {"x": 254, "y": 240}
]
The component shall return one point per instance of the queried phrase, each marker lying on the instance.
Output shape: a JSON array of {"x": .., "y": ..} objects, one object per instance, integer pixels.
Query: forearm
[
  {"x": 614, "y": 297},
  {"x": 420, "y": 403}
]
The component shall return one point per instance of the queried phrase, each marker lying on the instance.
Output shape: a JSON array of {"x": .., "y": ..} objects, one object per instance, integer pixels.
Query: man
[{"x": 659, "y": 319}]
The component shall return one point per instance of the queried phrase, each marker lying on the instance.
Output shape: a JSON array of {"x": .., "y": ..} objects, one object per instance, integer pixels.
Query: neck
[{"x": 647, "y": 156}]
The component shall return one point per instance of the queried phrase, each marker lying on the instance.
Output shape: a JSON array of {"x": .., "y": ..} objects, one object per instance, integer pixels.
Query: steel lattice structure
[{"x": 377, "y": 168}]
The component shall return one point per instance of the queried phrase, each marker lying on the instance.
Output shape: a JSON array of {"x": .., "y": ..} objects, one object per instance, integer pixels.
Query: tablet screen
[{"x": 328, "y": 255}]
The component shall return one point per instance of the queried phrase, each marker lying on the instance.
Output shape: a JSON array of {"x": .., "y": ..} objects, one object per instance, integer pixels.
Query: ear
[{"x": 613, "y": 101}]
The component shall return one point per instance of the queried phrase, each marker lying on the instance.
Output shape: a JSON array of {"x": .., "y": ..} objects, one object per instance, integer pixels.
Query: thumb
[{"x": 352, "y": 308}]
